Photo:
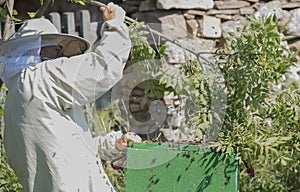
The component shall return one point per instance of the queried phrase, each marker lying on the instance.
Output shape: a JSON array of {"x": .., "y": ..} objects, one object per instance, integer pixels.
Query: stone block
[
  {"x": 247, "y": 11},
  {"x": 170, "y": 23},
  {"x": 231, "y": 4},
  {"x": 185, "y": 4},
  {"x": 272, "y": 7},
  {"x": 291, "y": 5},
  {"x": 192, "y": 27},
  {"x": 147, "y": 5},
  {"x": 224, "y": 17},
  {"x": 231, "y": 26},
  {"x": 293, "y": 28},
  {"x": 174, "y": 26},
  {"x": 211, "y": 27},
  {"x": 225, "y": 12},
  {"x": 195, "y": 12},
  {"x": 175, "y": 54}
]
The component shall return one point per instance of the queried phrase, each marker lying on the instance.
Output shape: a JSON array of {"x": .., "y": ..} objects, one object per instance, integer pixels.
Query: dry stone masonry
[{"x": 202, "y": 25}]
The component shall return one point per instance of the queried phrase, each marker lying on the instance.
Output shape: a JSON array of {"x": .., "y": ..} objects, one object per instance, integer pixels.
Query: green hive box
[{"x": 179, "y": 168}]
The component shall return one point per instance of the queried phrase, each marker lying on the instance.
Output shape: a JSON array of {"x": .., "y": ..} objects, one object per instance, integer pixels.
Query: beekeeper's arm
[
  {"x": 82, "y": 79},
  {"x": 108, "y": 59},
  {"x": 111, "y": 145}
]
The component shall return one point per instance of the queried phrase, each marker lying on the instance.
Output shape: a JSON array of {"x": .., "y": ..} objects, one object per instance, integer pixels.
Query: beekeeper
[{"x": 50, "y": 78}]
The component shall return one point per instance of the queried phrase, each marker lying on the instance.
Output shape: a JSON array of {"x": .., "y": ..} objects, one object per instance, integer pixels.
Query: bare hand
[
  {"x": 122, "y": 143},
  {"x": 112, "y": 11}
]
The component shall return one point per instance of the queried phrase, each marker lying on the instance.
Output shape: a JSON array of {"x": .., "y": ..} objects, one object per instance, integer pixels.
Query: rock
[
  {"x": 132, "y": 2},
  {"x": 188, "y": 16},
  {"x": 192, "y": 27},
  {"x": 295, "y": 46},
  {"x": 170, "y": 23},
  {"x": 177, "y": 102},
  {"x": 291, "y": 5},
  {"x": 225, "y": 12},
  {"x": 231, "y": 26},
  {"x": 147, "y": 5},
  {"x": 286, "y": 17},
  {"x": 168, "y": 101},
  {"x": 138, "y": 92},
  {"x": 293, "y": 28},
  {"x": 134, "y": 107},
  {"x": 135, "y": 99},
  {"x": 185, "y": 4},
  {"x": 224, "y": 17},
  {"x": 174, "y": 26},
  {"x": 294, "y": 74},
  {"x": 200, "y": 27},
  {"x": 231, "y": 4},
  {"x": 272, "y": 7},
  {"x": 211, "y": 27},
  {"x": 130, "y": 9},
  {"x": 144, "y": 103},
  {"x": 175, "y": 54},
  {"x": 177, "y": 135},
  {"x": 152, "y": 16},
  {"x": 195, "y": 12},
  {"x": 247, "y": 11}
]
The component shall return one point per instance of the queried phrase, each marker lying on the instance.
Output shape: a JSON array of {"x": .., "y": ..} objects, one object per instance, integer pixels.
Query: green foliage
[
  {"x": 261, "y": 124},
  {"x": 117, "y": 176},
  {"x": 8, "y": 180},
  {"x": 141, "y": 49},
  {"x": 142, "y": 53},
  {"x": 31, "y": 14},
  {"x": 3, "y": 13},
  {"x": 81, "y": 2}
]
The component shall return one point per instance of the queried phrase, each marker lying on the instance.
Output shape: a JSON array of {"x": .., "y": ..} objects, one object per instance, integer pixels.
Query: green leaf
[
  {"x": 31, "y": 14},
  {"x": 162, "y": 49},
  {"x": 3, "y": 12},
  {"x": 288, "y": 38},
  {"x": 273, "y": 35}
]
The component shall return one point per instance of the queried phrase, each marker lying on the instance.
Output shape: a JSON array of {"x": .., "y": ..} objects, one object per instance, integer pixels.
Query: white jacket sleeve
[
  {"x": 107, "y": 149},
  {"x": 100, "y": 71},
  {"x": 82, "y": 79}
]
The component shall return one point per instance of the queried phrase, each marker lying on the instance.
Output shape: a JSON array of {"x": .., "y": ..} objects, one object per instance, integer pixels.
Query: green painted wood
[{"x": 180, "y": 168}]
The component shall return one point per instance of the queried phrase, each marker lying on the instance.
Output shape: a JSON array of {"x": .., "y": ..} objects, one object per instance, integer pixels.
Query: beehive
[{"x": 179, "y": 168}]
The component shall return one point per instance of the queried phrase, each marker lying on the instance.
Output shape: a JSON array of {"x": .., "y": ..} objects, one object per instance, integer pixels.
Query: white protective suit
[{"x": 46, "y": 137}]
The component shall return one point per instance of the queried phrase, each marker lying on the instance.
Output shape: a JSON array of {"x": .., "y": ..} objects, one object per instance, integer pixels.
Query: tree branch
[
  {"x": 8, "y": 21},
  {"x": 2, "y": 1},
  {"x": 43, "y": 8}
]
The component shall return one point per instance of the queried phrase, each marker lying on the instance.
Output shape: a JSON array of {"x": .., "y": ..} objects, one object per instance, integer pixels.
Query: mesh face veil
[
  {"x": 18, "y": 55},
  {"x": 24, "y": 49}
]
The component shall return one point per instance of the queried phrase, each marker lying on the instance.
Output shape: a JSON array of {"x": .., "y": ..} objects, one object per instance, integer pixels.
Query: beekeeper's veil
[{"x": 23, "y": 49}]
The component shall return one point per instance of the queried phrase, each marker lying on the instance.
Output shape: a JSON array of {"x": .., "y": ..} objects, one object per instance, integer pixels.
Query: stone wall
[
  {"x": 204, "y": 24},
  {"x": 201, "y": 26}
]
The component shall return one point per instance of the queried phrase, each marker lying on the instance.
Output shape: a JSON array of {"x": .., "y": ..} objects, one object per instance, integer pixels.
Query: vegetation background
[{"x": 261, "y": 124}]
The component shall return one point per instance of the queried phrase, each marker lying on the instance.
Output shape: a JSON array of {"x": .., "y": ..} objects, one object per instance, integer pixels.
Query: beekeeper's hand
[
  {"x": 122, "y": 143},
  {"x": 112, "y": 11}
]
